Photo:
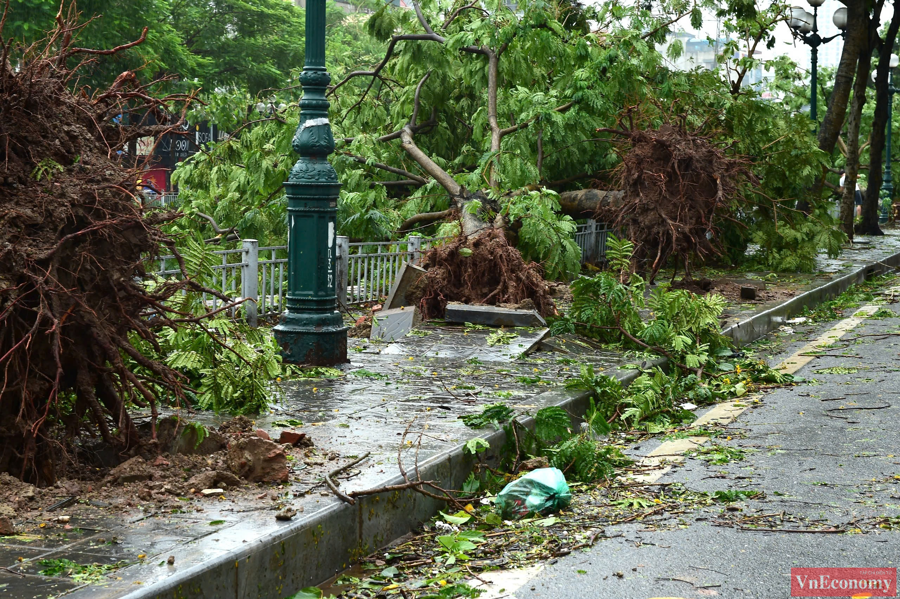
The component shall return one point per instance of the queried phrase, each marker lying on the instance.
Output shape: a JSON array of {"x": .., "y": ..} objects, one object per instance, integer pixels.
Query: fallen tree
[
  {"x": 74, "y": 240},
  {"x": 474, "y": 119}
]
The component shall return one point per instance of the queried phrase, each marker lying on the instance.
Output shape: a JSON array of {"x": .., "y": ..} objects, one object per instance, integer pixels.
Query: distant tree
[{"x": 236, "y": 44}]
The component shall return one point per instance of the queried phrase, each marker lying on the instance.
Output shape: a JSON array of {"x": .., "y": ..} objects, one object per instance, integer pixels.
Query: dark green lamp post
[
  {"x": 312, "y": 330},
  {"x": 887, "y": 184},
  {"x": 805, "y": 27}
]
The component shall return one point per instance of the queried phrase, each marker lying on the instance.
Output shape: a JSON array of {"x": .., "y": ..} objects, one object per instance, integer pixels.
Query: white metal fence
[
  {"x": 365, "y": 270},
  {"x": 591, "y": 238}
]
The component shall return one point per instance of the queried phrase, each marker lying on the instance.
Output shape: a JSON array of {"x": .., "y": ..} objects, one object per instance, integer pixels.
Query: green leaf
[
  {"x": 458, "y": 518},
  {"x": 476, "y": 446}
]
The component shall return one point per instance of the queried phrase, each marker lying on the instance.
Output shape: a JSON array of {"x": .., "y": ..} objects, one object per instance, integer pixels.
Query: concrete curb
[
  {"x": 763, "y": 323},
  {"x": 317, "y": 546}
]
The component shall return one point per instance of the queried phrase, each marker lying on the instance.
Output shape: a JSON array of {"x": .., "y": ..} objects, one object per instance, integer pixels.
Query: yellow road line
[
  {"x": 798, "y": 361},
  {"x": 660, "y": 460}
]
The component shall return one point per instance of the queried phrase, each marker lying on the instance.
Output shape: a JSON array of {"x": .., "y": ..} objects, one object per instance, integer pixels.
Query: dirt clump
[
  {"x": 175, "y": 436},
  {"x": 238, "y": 424},
  {"x": 7, "y": 528},
  {"x": 258, "y": 460},
  {"x": 362, "y": 328},
  {"x": 731, "y": 290},
  {"x": 482, "y": 269},
  {"x": 134, "y": 470},
  {"x": 295, "y": 439}
]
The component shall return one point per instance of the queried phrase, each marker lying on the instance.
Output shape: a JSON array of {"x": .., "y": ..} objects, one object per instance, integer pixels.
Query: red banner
[{"x": 844, "y": 582}]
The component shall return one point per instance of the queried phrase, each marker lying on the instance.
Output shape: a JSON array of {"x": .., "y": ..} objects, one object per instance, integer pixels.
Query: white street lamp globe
[
  {"x": 816, "y": 3},
  {"x": 798, "y": 15},
  {"x": 807, "y": 24},
  {"x": 840, "y": 18},
  {"x": 895, "y": 61}
]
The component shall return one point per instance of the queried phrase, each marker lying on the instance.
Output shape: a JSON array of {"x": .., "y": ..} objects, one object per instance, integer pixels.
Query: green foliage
[
  {"x": 732, "y": 495},
  {"x": 681, "y": 325},
  {"x": 792, "y": 245},
  {"x": 500, "y": 337},
  {"x": 558, "y": 84},
  {"x": 854, "y": 297},
  {"x": 551, "y": 424},
  {"x": 230, "y": 366},
  {"x": 719, "y": 454},
  {"x": 476, "y": 446},
  {"x": 80, "y": 573},
  {"x": 200, "y": 432},
  {"x": 213, "y": 44},
  {"x": 584, "y": 459},
  {"x": 46, "y": 169},
  {"x": 494, "y": 415},
  {"x": 454, "y": 547},
  {"x": 545, "y": 236}
]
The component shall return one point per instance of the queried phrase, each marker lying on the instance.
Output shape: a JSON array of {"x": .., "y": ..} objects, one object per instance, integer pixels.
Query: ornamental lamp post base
[{"x": 313, "y": 339}]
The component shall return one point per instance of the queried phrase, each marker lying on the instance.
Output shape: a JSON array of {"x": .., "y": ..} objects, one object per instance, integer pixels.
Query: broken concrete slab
[
  {"x": 406, "y": 290},
  {"x": 390, "y": 325},
  {"x": 493, "y": 316}
]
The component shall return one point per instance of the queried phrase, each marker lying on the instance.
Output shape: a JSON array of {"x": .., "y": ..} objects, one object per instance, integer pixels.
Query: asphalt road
[{"x": 821, "y": 453}]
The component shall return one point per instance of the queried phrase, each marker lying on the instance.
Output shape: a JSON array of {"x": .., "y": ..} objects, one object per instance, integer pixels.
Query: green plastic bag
[{"x": 542, "y": 491}]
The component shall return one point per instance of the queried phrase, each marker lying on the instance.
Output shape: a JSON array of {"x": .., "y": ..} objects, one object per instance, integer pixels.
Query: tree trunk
[
  {"x": 584, "y": 203},
  {"x": 856, "y": 40},
  {"x": 871, "y": 203},
  {"x": 852, "y": 165}
]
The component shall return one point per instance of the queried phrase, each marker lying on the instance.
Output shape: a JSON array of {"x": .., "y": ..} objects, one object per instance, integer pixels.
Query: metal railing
[
  {"x": 591, "y": 238},
  {"x": 166, "y": 200},
  {"x": 366, "y": 271}
]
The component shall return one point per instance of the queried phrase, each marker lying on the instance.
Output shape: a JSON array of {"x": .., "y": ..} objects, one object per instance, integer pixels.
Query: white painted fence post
[
  {"x": 250, "y": 280},
  {"x": 414, "y": 247},
  {"x": 343, "y": 269}
]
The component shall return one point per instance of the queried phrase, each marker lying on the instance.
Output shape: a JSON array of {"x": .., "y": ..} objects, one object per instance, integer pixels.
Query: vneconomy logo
[{"x": 844, "y": 582}]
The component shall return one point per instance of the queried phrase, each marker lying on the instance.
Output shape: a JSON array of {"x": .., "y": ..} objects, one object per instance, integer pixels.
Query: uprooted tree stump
[
  {"x": 481, "y": 269},
  {"x": 74, "y": 240},
  {"x": 676, "y": 186}
]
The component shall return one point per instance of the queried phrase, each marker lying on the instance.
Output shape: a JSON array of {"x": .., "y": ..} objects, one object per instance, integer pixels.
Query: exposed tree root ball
[
  {"x": 73, "y": 243},
  {"x": 482, "y": 269},
  {"x": 677, "y": 185}
]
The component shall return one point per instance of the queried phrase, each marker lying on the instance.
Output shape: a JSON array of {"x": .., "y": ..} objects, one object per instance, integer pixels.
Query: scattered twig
[
  {"x": 858, "y": 408},
  {"x": 335, "y": 472}
]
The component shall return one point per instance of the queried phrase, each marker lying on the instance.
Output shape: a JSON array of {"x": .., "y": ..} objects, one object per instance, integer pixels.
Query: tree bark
[
  {"x": 583, "y": 203},
  {"x": 856, "y": 39},
  {"x": 871, "y": 203},
  {"x": 852, "y": 165}
]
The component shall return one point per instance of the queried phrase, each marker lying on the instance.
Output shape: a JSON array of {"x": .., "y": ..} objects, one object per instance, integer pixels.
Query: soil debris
[
  {"x": 238, "y": 424},
  {"x": 258, "y": 460},
  {"x": 731, "y": 290},
  {"x": 483, "y": 269}
]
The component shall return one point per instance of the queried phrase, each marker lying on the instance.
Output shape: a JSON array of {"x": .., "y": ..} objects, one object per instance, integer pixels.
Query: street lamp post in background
[
  {"x": 887, "y": 184},
  {"x": 805, "y": 27},
  {"x": 312, "y": 331}
]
